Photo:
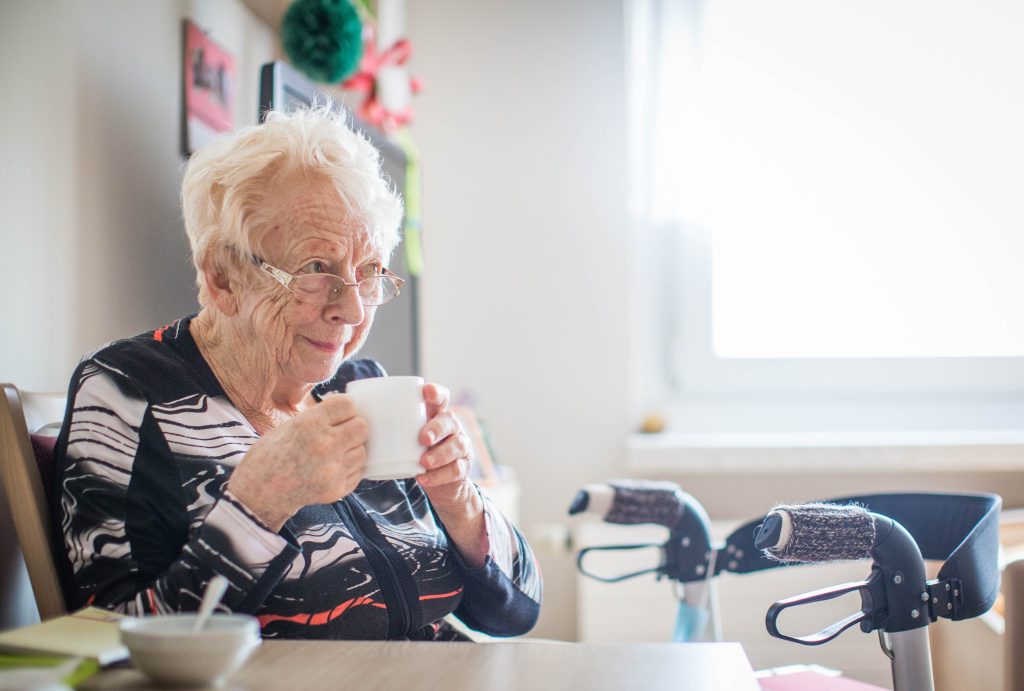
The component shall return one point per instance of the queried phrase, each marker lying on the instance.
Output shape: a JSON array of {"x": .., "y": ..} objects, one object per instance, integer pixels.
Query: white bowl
[{"x": 165, "y": 648}]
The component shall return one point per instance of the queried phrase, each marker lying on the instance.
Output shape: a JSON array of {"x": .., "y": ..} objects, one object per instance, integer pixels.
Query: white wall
[
  {"x": 521, "y": 126},
  {"x": 91, "y": 241},
  {"x": 37, "y": 189},
  {"x": 90, "y": 171}
]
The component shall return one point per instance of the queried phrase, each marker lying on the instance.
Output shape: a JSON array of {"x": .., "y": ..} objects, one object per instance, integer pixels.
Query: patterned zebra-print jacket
[{"x": 143, "y": 459}]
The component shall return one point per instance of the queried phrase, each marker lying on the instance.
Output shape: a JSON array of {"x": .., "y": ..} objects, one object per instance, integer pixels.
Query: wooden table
[{"x": 512, "y": 666}]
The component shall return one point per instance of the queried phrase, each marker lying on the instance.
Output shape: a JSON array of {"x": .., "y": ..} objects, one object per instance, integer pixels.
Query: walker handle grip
[{"x": 817, "y": 532}]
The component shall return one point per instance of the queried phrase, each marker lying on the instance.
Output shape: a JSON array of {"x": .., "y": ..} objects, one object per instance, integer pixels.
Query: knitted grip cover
[
  {"x": 825, "y": 532},
  {"x": 644, "y": 501}
]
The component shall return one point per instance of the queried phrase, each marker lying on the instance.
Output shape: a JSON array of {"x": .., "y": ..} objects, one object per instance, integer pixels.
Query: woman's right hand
[{"x": 317, "y": 457}]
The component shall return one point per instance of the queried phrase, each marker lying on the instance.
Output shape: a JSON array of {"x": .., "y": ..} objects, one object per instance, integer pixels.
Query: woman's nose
[{"x": 348, "y": 308}]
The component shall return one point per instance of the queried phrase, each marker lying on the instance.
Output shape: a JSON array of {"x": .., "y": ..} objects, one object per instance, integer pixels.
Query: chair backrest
[{"x": 22, "y": 415}]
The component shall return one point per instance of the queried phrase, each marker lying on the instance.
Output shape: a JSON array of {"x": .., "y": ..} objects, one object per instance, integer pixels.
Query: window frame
[{"x": 701, "y": 393}]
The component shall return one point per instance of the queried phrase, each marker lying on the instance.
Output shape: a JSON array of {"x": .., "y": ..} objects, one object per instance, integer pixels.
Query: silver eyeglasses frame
[{"x": 286, "y": 279}]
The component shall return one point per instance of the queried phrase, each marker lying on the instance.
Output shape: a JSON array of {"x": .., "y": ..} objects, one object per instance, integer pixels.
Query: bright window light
[{"x": 860, "y": 167}]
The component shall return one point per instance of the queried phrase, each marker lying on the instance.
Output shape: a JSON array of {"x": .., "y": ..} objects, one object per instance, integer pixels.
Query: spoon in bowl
[{"x": 211, "y": 598}]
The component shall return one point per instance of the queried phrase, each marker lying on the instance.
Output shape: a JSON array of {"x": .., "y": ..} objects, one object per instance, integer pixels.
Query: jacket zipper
[{"x": 358, "y": 519}]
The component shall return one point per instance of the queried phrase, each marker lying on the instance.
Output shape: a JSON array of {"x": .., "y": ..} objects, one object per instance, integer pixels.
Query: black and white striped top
[{"x": 147, "y": 447}]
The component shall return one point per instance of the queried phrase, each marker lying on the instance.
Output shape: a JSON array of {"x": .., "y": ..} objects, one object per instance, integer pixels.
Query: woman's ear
[{"x": 222, "y": 286}]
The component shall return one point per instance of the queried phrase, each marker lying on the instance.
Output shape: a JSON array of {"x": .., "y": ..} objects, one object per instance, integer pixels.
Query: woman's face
[{"x": 310, "y": 233}]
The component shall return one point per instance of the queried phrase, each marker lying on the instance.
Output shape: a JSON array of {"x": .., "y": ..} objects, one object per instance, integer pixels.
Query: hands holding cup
[
  {"x": 413, "y": 433},
  {"x": 382, "y": 428}
]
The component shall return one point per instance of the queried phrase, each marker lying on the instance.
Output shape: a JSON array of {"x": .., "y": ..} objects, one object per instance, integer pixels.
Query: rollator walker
[{"x": 897, "y": 532}]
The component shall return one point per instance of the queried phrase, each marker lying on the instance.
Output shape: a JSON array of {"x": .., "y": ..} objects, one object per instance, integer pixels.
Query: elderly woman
[{"x": 223, "y": 443}]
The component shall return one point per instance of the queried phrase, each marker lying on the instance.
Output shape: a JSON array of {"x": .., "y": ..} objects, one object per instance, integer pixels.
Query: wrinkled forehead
[{"x": 310, "y": 213}]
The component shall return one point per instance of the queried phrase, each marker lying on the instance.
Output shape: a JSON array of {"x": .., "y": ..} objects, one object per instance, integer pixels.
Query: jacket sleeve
[
  {"x": 502, "y": 597},
  {"x": 124, "y": 520}
]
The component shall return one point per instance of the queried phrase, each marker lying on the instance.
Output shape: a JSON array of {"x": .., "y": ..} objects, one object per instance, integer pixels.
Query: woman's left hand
[
  {"x": 447, "y": 459},
  {"x": 446, "y": 480}
]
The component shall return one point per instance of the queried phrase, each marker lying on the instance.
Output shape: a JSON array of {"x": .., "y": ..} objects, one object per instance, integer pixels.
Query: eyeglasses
[{"x": 320, "y": 289}]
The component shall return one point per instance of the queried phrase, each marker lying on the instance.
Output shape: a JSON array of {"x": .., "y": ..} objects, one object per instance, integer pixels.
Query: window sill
[{"x": 827, "y": 452}]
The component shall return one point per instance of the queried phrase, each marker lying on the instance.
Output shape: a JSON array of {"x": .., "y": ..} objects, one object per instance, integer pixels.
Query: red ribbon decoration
[{"x": 365, "y": 80}]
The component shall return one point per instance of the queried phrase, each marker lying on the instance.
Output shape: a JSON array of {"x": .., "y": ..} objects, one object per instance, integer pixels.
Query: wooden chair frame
[{"x": 29, "y": 507}]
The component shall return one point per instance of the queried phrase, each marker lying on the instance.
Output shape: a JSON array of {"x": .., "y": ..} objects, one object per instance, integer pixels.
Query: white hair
[{"x": 227, "y": 193}]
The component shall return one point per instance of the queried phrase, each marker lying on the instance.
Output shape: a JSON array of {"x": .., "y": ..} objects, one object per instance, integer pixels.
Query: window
[{"x": 829, "y": 198}]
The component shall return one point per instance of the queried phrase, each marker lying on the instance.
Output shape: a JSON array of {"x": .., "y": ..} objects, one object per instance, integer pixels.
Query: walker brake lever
[
  {"x": 870, "y": 594},
  {"x": 661, "y": 569}
]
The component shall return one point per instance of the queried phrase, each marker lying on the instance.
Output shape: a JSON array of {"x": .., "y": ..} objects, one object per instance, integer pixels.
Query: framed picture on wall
[{"x": 209, "y": 90}]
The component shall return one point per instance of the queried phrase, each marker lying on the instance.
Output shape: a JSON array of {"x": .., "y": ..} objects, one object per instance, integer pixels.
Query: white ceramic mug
[{"x": 395, "y": 413}]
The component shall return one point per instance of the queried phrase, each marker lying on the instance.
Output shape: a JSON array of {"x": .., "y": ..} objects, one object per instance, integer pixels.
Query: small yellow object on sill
[{"x": 652, "y": 424}]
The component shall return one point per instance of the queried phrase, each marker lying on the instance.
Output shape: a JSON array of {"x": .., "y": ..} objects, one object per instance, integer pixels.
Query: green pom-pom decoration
[{"x": 323, "y": 38}]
